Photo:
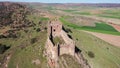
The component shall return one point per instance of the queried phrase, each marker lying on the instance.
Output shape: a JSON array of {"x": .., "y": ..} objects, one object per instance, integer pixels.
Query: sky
[{"x": 67, "y": 1}]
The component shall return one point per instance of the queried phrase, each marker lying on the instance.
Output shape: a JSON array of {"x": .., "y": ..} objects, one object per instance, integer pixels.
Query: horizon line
[{"x": 64, "y": 2}]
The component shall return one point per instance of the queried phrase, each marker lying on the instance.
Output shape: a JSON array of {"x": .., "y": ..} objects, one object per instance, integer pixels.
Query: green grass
[
  {"x": 24, "y": 57},
  {"x": 75, "y": 12},
  {"x": 36, "y": 18},
  {"x": 109, "y": 16},
  {"x": 57, "y": 40},
  {"x": 83, "y": 13},
  {"x": 100, "y": 27},
  {"x": 105, "y": 55},
  {"x": 50, "y": 8},
  {"x": 114, "y": 13},
  {"x": 69, "y": 10}
]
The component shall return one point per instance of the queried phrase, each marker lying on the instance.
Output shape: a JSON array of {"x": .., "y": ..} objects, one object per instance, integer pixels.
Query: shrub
[
  {"x": 2, "y": 36},
  {"x": 33, "y": 40},
  {"x": 38, "y": 29},
  {"x": 3, "y": 48},
  {"x": 91, "y": 54}
]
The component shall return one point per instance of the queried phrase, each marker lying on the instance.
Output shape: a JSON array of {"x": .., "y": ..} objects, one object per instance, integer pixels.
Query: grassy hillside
[
  {"x": 31, "y": 45},
  {"x": 26, "y": 56},
  {"x": 99, "y": 54}
]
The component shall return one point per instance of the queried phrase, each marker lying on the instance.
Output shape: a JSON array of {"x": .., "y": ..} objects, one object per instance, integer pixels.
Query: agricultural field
[{"x": 99, "y": 27}]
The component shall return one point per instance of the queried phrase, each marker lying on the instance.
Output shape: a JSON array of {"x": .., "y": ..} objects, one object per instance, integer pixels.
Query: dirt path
[{"x": 112, "y": 39}]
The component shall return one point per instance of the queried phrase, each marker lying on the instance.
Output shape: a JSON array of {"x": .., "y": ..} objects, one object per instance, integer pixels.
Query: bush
[
  {"x": 91, "y": 54},
  {"x": 33, "y": 40},
  {"x": 3, "y": 48},
  {"x": 26, "y": 31},
  {"x": 11, "y": 35},
  {"x": 2, "y": 36},
  {"x": 38, "y": 29}
]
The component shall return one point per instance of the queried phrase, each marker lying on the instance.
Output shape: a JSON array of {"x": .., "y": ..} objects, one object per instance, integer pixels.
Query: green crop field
[
  {"x": 69, "y": 10},
  {"x": 83, "y": 13},
  {"x": 100, "y": 27}
]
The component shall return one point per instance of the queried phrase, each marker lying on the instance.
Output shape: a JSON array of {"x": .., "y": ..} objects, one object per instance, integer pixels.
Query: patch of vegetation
[
  {"x": 37, "y": 19},
  {"x": 33, "y": 40},
  {"x": 101, "y": 26},
  {"x": 38, "y": 29},
  {"x": 50, "y": 8},
  {"x": 91, "y": 54},
  {"x": 3, "y": 48},
  {"x": 82, "y": 13},
  {"x": 43, "y": 18},
  {"x": 57, "y": 40},
  {"x": 69, "y": 10},
  {"x": 110, "y": 14}
]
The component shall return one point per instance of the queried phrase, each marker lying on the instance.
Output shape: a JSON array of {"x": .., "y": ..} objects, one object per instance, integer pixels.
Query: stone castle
[
  {"x": 64, "y": 45},
  {"x": 53, "y": 51}
]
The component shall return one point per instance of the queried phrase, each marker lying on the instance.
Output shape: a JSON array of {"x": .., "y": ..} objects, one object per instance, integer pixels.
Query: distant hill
[
  {"x": 94, "y": 4},
  {"x": 77, "y": 4}
]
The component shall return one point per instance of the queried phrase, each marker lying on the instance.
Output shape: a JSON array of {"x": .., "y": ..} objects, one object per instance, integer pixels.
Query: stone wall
[{"x": 67, "y": 49}]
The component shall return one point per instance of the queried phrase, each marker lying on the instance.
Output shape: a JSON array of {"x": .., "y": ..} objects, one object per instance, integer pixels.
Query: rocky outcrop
[{"x": 14, "y": 15}]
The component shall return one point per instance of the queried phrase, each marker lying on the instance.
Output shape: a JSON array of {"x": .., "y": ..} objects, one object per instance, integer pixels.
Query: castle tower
[{"x": 55, "y": 27}]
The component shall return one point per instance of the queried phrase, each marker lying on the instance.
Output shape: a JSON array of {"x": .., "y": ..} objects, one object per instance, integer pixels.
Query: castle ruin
[{"x": 58, "y": 43}]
